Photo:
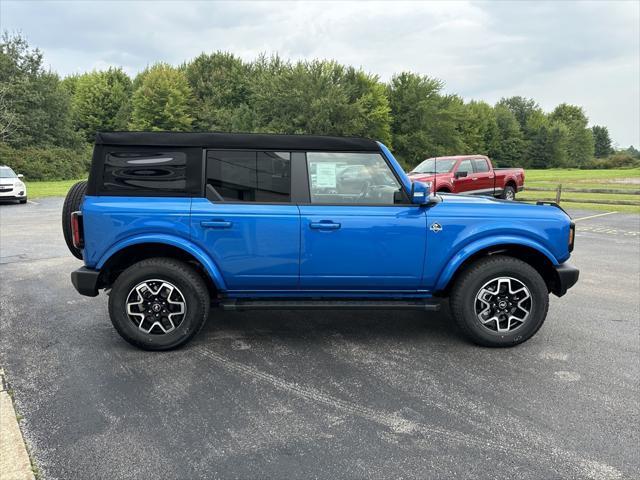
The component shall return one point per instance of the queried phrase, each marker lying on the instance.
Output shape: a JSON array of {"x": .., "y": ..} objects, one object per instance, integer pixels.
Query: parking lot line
[
  {"x": 594, "y": 216},
  {"x": 32, "y": 202}
]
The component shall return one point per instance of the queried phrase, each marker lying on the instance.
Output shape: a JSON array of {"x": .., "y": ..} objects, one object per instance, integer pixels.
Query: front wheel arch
[{"x": 529, "y": 255}]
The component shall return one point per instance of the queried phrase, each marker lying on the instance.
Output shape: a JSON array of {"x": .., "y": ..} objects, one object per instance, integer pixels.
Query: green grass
[
  {"x": 57, "y": 188},
  {"x": 575, "y": 176},
  {"x": 615, "y": 179},
  {"x": 551, "y": 185}
]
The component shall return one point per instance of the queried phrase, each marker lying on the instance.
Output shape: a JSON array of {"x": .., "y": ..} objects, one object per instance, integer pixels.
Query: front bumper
[
  {"x": 566, "y": 277},
  {"x": 85, "y": 281},
  {"x": 14, "y": 194}
]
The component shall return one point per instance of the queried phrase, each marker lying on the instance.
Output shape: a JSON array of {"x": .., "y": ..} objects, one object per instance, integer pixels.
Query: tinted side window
[
  {"x": 358, "y": 178},
  {"x": 465, "y": 166},
  {"x": 242, "y": 176},
  {"x": 481, "y": 165},
  {"x": 140, "y": 172}
]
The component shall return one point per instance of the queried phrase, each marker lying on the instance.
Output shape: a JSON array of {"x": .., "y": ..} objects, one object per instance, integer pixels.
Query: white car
[{"x": 11, "y": 185}]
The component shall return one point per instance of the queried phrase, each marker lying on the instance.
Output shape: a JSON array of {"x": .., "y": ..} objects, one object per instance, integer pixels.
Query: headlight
[{"x": 19, "y": 185}]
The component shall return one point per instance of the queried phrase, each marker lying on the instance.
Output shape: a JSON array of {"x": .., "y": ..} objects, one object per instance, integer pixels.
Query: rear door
[
  {"x": 484, "y": 177},
  {"x": 464, "y": 184},
  {"x": 247, "y": 222},
  {"x": 359, "y": 233}
]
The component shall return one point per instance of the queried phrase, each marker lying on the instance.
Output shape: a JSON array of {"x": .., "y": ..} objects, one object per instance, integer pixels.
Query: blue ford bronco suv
[{"x": 172, "y": 224}]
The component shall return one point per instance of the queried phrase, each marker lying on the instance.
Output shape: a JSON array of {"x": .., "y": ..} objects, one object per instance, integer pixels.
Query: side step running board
[{"x": 430, "y": 305}]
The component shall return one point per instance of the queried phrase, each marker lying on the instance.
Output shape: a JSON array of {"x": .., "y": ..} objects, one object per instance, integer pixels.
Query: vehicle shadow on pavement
[{"x": 317, "y": 325}]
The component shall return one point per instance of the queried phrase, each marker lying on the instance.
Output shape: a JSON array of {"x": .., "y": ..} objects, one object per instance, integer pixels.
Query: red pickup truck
[{"x": 471, "y": 174}]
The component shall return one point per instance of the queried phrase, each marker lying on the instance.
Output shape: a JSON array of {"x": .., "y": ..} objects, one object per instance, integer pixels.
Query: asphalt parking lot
[{"x": 323, "y": 395}]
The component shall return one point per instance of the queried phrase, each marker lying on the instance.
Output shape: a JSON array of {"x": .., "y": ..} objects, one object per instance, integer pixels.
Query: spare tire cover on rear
[{"x": 72, "y": 203}]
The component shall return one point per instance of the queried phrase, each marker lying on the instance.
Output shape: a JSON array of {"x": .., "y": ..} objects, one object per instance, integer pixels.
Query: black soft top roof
[{"x": 236, "y": 140}]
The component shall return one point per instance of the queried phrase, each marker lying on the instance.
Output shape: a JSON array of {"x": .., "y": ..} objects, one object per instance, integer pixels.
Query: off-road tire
[
  {"x": 185, "y": 278},
  {"x": 72, "y": 203},
  {"x": 469, "y": 283}
]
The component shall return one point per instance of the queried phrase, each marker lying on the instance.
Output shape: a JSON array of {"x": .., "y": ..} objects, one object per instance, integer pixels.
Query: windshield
[
  {"x": 6, "y": 172},
  {"x": 430, "y": 165}
]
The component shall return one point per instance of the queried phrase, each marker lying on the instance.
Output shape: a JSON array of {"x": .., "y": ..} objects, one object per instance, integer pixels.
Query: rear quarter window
[{"x": 169, "y": 172}]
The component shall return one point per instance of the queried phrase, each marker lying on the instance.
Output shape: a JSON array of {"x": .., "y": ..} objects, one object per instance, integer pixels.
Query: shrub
[
  {"x": 617, "y": 160},
  {"x": 53, "y": 163}
]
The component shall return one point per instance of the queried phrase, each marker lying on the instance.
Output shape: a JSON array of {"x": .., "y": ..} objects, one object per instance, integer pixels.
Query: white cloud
[{"x": 586, "y": 53}]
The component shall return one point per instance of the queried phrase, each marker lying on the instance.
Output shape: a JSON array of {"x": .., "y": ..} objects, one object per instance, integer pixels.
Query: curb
[{"x": 14, "y": 459}]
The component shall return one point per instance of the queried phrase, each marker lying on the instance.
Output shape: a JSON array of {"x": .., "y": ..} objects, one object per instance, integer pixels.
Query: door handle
[
  {"x": 324, "y": 225},
  {"x": 474, "y": 178},
  {"x": 215, "y": 224}
]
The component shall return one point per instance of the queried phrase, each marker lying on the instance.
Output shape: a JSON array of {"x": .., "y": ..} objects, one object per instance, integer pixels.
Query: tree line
[{"x": 220, "y": 92}]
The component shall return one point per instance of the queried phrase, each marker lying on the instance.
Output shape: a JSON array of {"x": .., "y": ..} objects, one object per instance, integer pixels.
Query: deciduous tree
[
  {"x": 580, "y": 138},
  {"x": 317, "y": 97},
  {"x": 163, "y": 101},
  {"x": 425, "y": 123},
  {"x": 480, "y": 129},
  {"x": 510, "y": 139},
  {"x": 220, "y": 83},
  {"x": 35, "y": 108},
  {"x": 101, "y": 102}
]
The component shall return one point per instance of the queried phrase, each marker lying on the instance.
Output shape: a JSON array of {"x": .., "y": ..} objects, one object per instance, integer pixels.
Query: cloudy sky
[{"x": 587, "y": 53}]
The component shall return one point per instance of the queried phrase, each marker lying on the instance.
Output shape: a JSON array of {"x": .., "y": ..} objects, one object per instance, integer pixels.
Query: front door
[
  {"x": 359, "y": 232},
  {"x": 466, "y": 184},
  {"x": 247, "y": 223}
]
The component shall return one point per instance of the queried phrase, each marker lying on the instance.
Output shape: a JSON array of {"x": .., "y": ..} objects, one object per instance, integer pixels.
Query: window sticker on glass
[{"x": 325, "y": 175}]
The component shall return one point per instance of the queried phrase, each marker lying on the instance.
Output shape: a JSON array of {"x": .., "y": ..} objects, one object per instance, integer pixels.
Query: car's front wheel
[
  {"x": 159, "y": 303},
  {"x": 499, "y": 301}
]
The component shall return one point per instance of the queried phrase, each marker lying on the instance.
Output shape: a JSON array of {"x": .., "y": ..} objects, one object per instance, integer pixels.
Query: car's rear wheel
[
  {"x": 499, "y": 301},
  {"x": 72, "y": 203},
  {"x": 159, "y": 303},
  {"x": 509, "y": 193}
]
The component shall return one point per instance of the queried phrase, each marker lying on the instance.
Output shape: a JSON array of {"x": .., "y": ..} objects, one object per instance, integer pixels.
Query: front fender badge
[{"x": 435, "y": 227}]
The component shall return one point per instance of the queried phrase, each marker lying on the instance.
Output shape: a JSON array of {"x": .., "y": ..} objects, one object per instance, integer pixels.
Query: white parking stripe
[
  {"x": 594, "y": 216},
  {"x": 32, "y": 203}
]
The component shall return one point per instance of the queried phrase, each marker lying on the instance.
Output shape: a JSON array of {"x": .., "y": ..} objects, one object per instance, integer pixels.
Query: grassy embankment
[{"x": 618, "y": 181}]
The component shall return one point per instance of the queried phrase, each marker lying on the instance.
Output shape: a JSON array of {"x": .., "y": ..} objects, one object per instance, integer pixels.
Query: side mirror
[
  {"x": 461, "y": 174},
  {"x": 420, "y": 193},
  {"x": 20, "y": 176}
]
